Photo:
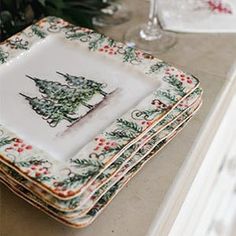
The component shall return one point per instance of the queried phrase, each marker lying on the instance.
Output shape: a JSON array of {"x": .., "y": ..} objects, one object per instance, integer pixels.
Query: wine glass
[
  {"x": 150, "y": 37},
  {"x": 114, "y": 14}
]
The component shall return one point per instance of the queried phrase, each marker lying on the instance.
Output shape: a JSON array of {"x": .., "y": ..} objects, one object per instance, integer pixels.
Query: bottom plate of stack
[{"x": 80, "y": 213}]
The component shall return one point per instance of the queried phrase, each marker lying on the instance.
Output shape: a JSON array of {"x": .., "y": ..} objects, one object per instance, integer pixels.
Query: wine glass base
[
  {"x": 118, "y": 15},
  {"x": 159, "y": 44}
]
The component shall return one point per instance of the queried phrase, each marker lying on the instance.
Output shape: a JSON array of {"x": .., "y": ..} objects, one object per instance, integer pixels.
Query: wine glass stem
[{"x": 151, "y": 31}]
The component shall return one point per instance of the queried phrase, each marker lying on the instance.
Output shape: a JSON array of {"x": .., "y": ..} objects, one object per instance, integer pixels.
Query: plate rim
[{"x": 24, "y": 40}]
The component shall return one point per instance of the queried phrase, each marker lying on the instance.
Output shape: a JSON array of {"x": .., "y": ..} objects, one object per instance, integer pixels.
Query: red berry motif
[
  {"x": 184, "y": 78},
  {"x": 184, "y": 105},
  {"x": 219, "y": 7},
  {"x": 19, "y": 146},
  {"x": 170, "y": 70},
  {"x": 20, "y": 150},
  {"x": 102, "y": 144},
  {"x": 17, "y": 140},
  {"x": 37, "y": 170},
  {"x": 146, "y": 123},
  {"x": 37, "y": 174},
  {"x": 111, "y": 50},
  {"x": 28, "y": 147}
]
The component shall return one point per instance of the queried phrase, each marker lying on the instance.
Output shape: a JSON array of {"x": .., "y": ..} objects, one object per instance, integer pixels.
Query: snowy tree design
[
  {"x": 65, "y": 101},
  {"x": 85, "y": 84}
]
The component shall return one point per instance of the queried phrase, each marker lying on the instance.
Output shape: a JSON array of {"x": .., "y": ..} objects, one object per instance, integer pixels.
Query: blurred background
[{"x": 15, "y": 15}]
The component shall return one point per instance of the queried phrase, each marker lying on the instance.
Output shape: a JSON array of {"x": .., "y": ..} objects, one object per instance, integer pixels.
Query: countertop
[{"x": 209, "y": 57}]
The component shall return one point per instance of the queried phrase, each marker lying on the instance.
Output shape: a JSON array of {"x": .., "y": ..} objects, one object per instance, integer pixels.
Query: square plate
[
  {"x": 74, "y": 207},
  {"x": 87, "y": 219},
  {"x": 67, "y": 111}
]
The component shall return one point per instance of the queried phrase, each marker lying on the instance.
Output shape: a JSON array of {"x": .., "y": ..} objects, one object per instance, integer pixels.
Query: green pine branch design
[
  {"x": 197, "y": 91},
  {"x": 166, "y": 119},
  {"x": 44, "y": 178},
  {"x": 93, "y": 211},
  {"x": 73, "y": 203},
  {"x": 28, "y": 163},
  {"x": 5, "y": 141},
  {"x": 118, "y": 162},
  {"x": 3, "y": 56},
  {"x": 125, "y": 124},
  {"x": 76, "y": 179},
  {"x": 111, "y": 42},
  {"x": 157, "y": 67},
  {"x": 96, "y": 43},
  {"x": 106, "y": 197},
  {"x": 111, "y": 150},
  {"x": 94, "y": 40},
  {"x": 103, "y": 175},
  {"x": 102, "y": 201},
  {"x": 37, "y": 31},
  {"x": 87, "y": 163},
  {"x": 110, "y": 193},
  {"x": 129, "y": 55},
  {"x": 120, "y": 134},
  {"x": 177, "y": 85},
  {"x": 166, "y": 94},
  {"x": 78, "y": 35}
]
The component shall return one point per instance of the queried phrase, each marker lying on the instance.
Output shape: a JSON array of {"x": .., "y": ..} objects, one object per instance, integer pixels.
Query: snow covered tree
[
  {"x": 51, "y": 111},
  {"x": 64, "y": 101},
  {"x": 85, "y": 84}
]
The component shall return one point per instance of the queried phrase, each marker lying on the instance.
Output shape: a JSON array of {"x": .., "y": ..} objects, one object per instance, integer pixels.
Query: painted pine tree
[
  {"x": 65, "y": 101},
  {"x": 85, "y": 84},
  {"x": 50, "y": 111}
]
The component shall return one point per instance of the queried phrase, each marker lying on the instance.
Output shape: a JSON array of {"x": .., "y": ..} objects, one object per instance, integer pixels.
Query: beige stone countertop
[{"x": 209, "y": 57}]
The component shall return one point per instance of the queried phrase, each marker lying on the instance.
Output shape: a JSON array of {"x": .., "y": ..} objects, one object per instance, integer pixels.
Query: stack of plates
[{"x": 81, "y": 114}]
